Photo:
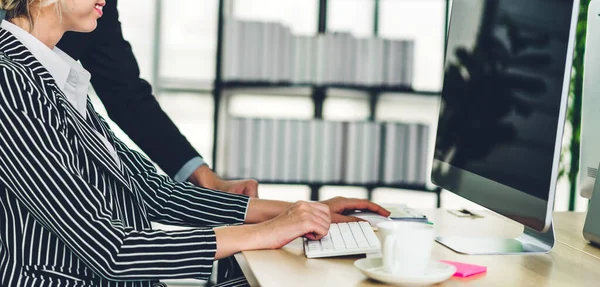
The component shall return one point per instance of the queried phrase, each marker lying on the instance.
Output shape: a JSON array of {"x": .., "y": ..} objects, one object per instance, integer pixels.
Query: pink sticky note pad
[{"x": 466, "y": 270}]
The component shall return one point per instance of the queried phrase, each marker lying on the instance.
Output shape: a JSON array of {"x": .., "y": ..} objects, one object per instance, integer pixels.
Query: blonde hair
[{"x": 22, "y": 8}]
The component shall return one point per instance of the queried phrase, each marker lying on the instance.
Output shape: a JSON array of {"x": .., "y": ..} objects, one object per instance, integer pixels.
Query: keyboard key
[
  {"x": 369, "y": 234},
  {"x": 344, "y": 228},
  {"x": 365, "y": 225},
  {"x": 314, "y": 245},
  {"x": 326, "y": 242},
  {"x": 363, "y": 244},
  {"x": 328, "y": 247},
  {"x": 351, "y": 245},
  {"x": 336, "y": 237},
  {"x": 357, "y": 232}
]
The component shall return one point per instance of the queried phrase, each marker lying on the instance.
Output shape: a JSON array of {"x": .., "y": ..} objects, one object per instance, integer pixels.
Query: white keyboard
[{"x": 344, "y": 239}]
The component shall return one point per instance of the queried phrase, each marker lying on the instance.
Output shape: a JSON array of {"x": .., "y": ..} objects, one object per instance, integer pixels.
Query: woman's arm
[
  {"x": 38, "y": 167},
  {"x": 282, "y": 222},
  {"x": 177, "y": 203},
  {"x": 260, "y": 210},
  {"x": 181, "y": 203}
]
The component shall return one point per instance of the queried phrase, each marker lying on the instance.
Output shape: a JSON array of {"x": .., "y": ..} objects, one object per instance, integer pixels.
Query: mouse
[
  {"x": 361, "y": 212},
  {"x": 372, "y": 217}
]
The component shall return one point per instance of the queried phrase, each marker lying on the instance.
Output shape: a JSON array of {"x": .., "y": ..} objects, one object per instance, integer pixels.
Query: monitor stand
[{"x": 530, "y": 242}]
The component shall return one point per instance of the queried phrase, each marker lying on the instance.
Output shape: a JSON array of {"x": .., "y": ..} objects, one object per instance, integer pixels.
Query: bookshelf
[
  {"x": 222, "y": 87},
  {"x": 362, "y": 88}
]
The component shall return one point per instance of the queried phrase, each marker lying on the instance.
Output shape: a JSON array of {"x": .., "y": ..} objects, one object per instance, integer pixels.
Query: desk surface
[
  {"x": 572, "y": 262},
  {"x": 569, "y": 227}
]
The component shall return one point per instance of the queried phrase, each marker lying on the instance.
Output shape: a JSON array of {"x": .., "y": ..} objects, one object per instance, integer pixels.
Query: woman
[{"x": 77, "y": 203}]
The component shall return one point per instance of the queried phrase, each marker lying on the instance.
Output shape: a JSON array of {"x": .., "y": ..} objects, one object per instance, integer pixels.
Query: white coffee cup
[{"x": 406, "y": 247}]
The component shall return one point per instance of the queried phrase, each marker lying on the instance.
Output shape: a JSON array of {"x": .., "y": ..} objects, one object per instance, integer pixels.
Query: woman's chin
[{"x": 86, "y": 27}]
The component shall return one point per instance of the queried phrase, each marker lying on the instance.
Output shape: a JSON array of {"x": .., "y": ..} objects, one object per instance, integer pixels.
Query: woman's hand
[
  {"x": 260, "y": 210},
  {"x": 338, "y": 205},
  {"x": 310, "y": 219},
  {"x": 205, "y": 177},
  {"x": 247, "y": 187}
]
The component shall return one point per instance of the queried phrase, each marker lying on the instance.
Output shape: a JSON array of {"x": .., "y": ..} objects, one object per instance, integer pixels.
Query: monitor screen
[{"x": 503, "y": 103}]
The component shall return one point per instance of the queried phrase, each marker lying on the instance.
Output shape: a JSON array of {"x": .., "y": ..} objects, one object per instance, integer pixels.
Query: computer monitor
[
  {"x": 503, "y": 107},
  {"x": 590, "y": 118},
  {"x": 589, "y": 164}
]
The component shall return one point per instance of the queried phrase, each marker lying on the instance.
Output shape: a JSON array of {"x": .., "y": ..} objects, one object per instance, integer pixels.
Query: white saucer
[{"x": 436, "y": 273}]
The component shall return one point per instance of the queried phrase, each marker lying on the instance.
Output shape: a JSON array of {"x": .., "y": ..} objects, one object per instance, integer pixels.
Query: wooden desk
[
  {"x": 569, "y": 264},
  {"x": 569, "y": 227}
]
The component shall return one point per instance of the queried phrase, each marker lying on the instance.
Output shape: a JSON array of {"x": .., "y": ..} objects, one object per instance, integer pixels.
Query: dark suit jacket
[
  {"x": 72, "y": 215},
  {"x": 127, "y": 98}
]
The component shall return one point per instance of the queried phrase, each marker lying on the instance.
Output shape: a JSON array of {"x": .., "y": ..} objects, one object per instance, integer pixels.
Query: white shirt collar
[
  {"x": 69, "y": 75},
  {"x": 56, "y": 66}
]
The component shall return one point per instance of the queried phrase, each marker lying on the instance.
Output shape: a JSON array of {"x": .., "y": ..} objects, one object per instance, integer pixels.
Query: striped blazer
[{"x": 71, "y": 215}]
